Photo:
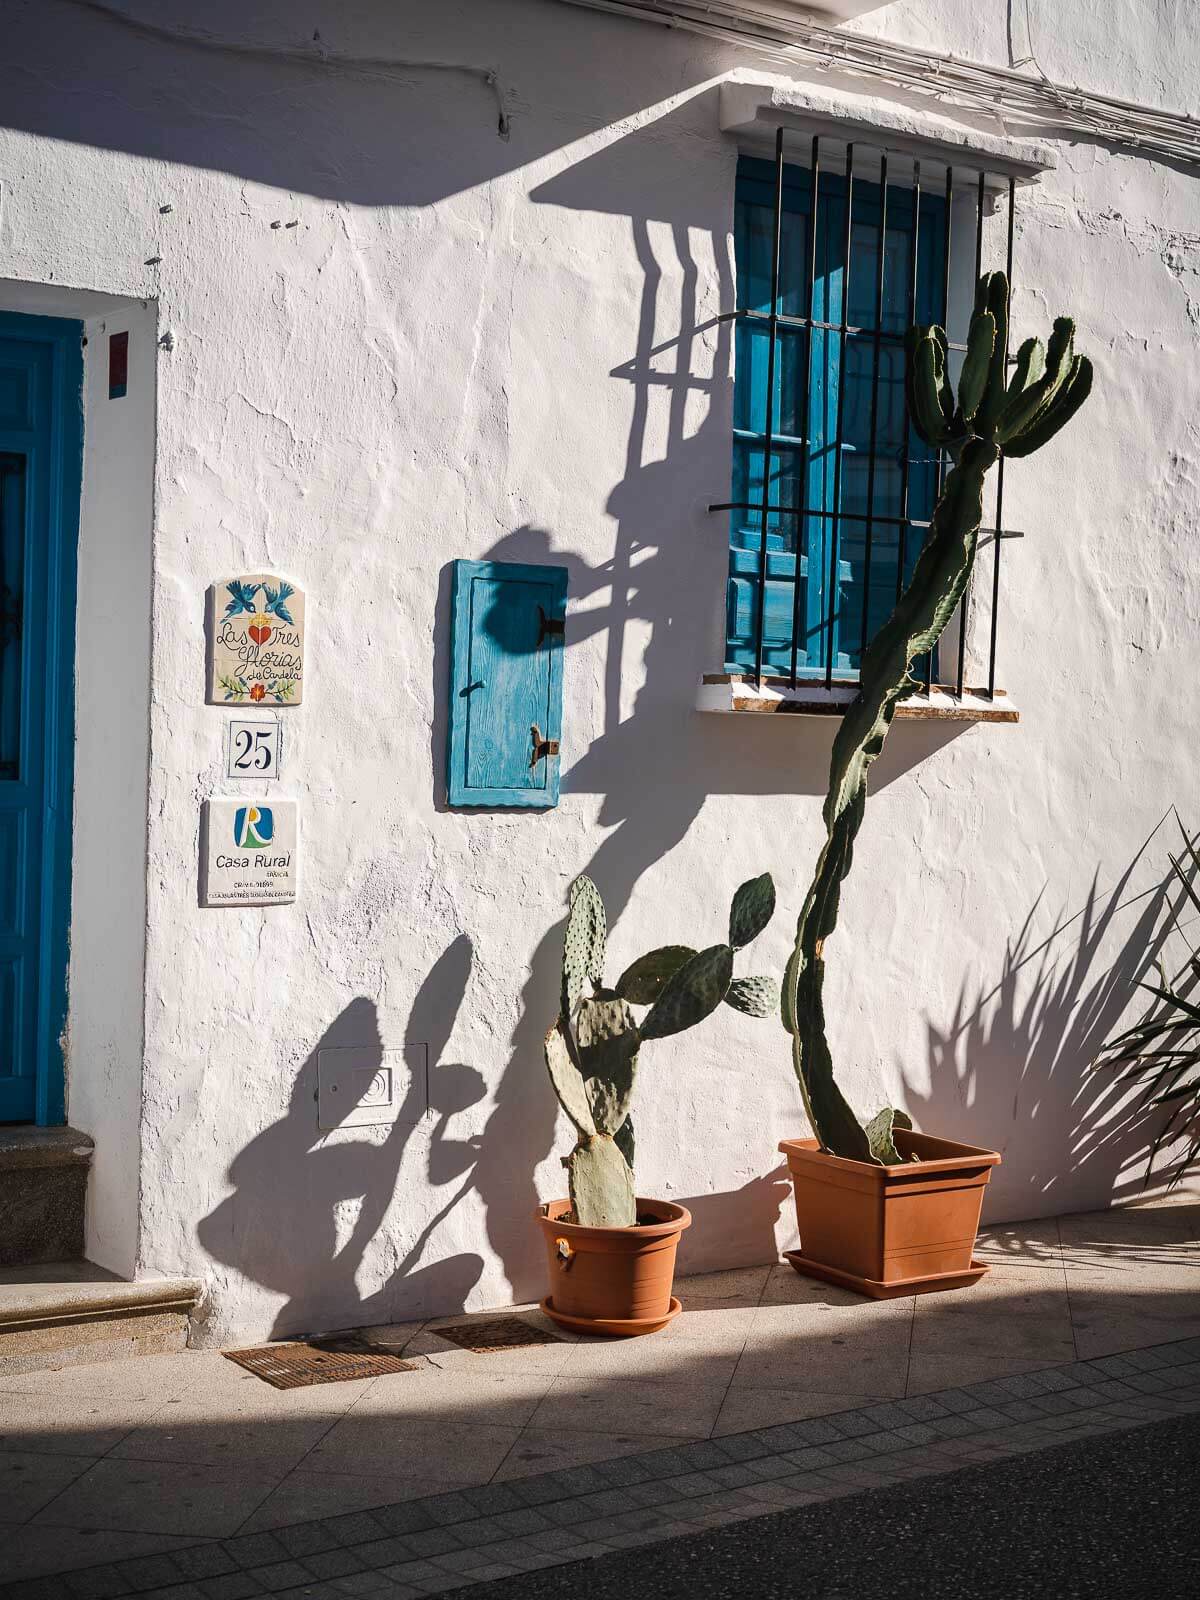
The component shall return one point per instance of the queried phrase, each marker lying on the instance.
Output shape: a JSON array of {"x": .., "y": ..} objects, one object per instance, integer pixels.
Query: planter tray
[
  {"x": 617, "y": 1326},
  {"x": 884, "y": 1291}
]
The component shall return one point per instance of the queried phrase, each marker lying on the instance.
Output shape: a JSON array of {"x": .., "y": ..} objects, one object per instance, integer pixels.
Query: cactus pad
[
  {"x": 641, "y": 983},
  {"x": 583, "y": 943},
  {"x": 691, "y": 993},
  {"x": 879, "y": 1135},
  {"x": 607, "y": 1041},
  {"x": 601, "y": 1184},
  {"x": 757, "y": 997},
  {"x": 753, "y": 907},
  {"x": 568, "y": 1081}
]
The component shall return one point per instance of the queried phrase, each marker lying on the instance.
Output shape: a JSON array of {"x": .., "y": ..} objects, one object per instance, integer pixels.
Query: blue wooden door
[
  {"x": 40, "y": 446},
  {"x": 506, "y": 683}
]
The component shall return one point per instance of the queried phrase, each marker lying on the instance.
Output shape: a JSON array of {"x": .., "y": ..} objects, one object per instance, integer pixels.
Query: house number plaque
[
  {"x": 256, "y": 651},
  {"x": 253, "y": 749}
]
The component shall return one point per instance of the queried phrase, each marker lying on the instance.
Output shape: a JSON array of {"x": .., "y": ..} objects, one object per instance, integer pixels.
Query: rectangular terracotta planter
[{"x": 890, "y": 1230}]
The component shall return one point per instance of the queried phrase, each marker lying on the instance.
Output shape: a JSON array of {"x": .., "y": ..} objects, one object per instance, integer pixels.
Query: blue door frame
[{"x": 41, "y": 447}]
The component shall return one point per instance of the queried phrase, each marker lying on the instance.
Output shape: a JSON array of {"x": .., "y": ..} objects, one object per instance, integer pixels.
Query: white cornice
[{"x": 1012, "y": 101}]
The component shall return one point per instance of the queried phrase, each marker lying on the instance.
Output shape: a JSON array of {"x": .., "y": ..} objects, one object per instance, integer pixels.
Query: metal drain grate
[
  {"x": 306, "y": 1361},
  {"x": 496, "y": 1333}
]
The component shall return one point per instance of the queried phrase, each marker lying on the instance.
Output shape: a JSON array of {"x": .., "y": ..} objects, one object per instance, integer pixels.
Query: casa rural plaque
[
  {"x": 249, "y": 853},
  {"x": 256, "y": 651}
]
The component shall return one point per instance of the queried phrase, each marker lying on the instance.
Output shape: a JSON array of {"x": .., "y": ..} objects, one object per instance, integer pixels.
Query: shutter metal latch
[
  {"x": 541, "y": 747},
  {"x": 549, "y": 627}
]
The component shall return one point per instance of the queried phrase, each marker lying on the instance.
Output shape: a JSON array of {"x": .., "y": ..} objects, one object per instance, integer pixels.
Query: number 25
[{"x": 253, "y": 750}]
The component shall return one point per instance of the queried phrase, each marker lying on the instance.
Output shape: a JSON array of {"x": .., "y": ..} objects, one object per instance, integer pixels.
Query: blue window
[{"x": 847, "y": 517}]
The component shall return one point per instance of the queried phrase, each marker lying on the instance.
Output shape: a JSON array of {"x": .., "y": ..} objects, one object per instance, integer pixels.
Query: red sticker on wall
[{"x": 118, "y": 365}]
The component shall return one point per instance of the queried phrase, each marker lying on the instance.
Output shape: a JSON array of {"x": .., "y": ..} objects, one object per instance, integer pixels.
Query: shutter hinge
[
  {"x": 549, "y": 627},
  {"x": 541, "y": 747}
]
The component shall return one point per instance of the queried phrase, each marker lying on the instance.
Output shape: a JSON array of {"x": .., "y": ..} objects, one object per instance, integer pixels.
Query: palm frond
[{"x": 1161, "y": 1052}]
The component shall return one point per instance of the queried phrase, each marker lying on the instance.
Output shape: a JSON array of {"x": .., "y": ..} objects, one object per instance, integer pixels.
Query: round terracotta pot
[{"x": 612, "y": 1280}]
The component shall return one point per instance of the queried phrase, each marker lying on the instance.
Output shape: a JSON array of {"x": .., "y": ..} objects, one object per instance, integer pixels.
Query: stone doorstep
[
  {"x": 23, "y": 1148},
  {"x": 79, "y": 1314},
  {"x": 43, "y": 1192}
]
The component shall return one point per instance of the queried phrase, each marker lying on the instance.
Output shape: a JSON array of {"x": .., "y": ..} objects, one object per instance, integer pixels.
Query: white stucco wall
[{"x": 472, "y": 347}]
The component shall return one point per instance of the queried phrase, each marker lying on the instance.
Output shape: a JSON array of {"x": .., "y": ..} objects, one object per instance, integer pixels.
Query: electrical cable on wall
[
  {"x": 317, "y": 54},
  {"x": 1037, "y": 104}
]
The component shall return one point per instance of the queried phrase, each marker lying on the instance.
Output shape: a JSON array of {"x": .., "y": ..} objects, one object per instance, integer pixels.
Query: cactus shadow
[
  {"x": 1013, "y": 1065},
  {"x": 310, "y": 1208},
  {"x": 734, "y": 1227}
]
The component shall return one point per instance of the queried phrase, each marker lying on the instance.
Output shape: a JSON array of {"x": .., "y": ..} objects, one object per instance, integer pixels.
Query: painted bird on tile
[
  {"x": 243, "y": 598},
  {"x": 277, "y": 600}
]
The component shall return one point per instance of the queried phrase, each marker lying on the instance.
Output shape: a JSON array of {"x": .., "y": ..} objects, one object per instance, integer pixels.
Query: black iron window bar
[{"x": 774, "y": 319}]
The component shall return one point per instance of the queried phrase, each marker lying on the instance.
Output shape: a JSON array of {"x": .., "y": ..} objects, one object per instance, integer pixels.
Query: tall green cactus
[
  {"x": 592, "y": 1050},
  {"x": 991, "y": 418}
]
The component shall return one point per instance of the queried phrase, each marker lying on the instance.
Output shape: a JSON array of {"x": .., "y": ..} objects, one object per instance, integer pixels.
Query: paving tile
[
  {"x": 256, "y": 1549},
  {"x": 330, "y": 1564},
  {"x": 230, "y": 1586},
  {"x": 851, "y": 1369},
  {"x": 748, "y": 1407},
  {"x": 305, "y": 1495},
  {"x": 660, "y": 1360},
  {"x": 739, "y": 1286},
  {"x": 96, "y": 1583},
  {"x": 152, "y": 1571},
  {"x": 236, "y": 1422},
  {"x": 279, "y": 1575},
  {"x": 31, "y": 1479},
  {"x": 1025, "y": 1317},
  {"x": 1024, "y": 1246},
  {"x": 482, "y": 1394},
  {"x": 67, "y": 1424},
  {"x": 642, "y": 1407},
  {"x": 814, "y": 1302},
  {"x": 202, "y": 1561},
  {"x": 161, "y": 1497},
  {"x": 930, "y": 1372},
  {"x": 1108, "y": 1322},
  {"x": 451, "y": 1452},
  {"x": 148, "y": 1380}
]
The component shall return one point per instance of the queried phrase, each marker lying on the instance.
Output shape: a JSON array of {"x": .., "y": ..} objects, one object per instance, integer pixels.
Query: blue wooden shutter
[
  {"x": 505, "y": 682},
  {"x": 798, "y": 547}
]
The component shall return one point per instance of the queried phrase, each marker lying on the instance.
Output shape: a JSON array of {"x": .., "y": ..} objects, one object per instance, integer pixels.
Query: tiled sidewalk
[
  {"x": 149, "y": 1457},
  {"x": 433, "y": 1545}
]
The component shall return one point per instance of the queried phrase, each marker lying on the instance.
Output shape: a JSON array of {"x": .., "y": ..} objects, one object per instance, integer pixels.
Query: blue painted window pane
[{"x": 803, "y": 470}]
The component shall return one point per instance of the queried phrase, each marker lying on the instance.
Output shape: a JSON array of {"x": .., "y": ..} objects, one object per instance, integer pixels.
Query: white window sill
[{"x": 727, "y": 694}]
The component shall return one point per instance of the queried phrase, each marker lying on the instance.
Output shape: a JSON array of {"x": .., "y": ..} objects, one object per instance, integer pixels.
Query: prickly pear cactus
[
  {"x": 991, "y": 418},
  {"x": 592, "y": 1050}
]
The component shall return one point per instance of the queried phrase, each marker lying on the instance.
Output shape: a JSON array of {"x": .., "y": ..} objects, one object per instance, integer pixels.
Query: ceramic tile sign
[
  {"x": 250, "y": 853},
  {"x": 256, "y": 654},
  {"x": 253, "y": 749}
]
